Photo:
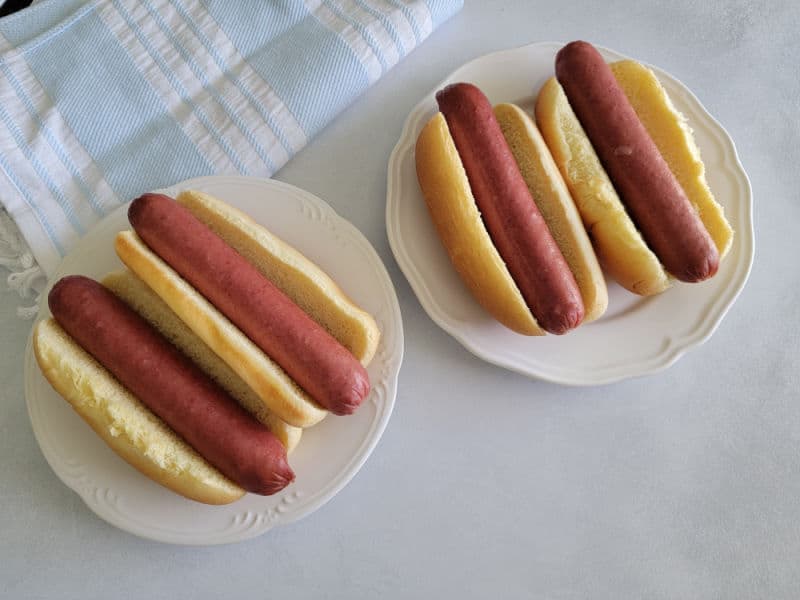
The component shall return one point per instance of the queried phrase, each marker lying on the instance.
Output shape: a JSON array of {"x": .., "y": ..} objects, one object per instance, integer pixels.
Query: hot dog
[
  {"x": 642, "y": 177},
  {"x": 297, "y": 277},
  {"x": 310, "y": 356},
  {"x": 601, "y": 124},
  {"x": 328, "y": 368},
  {"x": 553, "y": 200},
  {"x": 673, "y": 137},
  {"x": 167, "y": 383},
  {"x": 496, "y": 236},
  {"x": 125, "y": 424}
]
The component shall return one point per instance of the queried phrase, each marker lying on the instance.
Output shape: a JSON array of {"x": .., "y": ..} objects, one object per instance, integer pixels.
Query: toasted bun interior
[
  {"x": 144, "y": 301},
  {"x": 552, "y": 197},
  {"x": 123, "y": 422},
  {"x": 455, "y": 214}
]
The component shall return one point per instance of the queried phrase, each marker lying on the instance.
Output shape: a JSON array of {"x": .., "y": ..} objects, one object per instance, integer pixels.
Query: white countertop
[{"x": 685, "y": 484}]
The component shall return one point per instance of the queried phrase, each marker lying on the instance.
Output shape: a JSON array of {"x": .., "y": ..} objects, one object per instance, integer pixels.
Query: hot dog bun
[
  {"x": 551, "y": 195},
  {"x": 136, "y": 294},
  {"x": 124, "y": 423},
  {"x": 457, "y": 219},
  {"x": 276, "y": 389}
]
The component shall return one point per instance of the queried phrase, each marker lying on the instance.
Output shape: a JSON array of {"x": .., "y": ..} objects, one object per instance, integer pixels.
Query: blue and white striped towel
[{"x": 102, "y": 100}]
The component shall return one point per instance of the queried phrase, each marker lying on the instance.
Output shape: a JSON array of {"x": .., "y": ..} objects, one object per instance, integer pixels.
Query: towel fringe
[{"x": 26, "y": 277}]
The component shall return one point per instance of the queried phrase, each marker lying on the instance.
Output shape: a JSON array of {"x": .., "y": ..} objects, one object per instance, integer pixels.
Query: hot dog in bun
[
  {"x": 634, "y": 171},
  {"x": 150, "y": 403},
  {"x": 525, "y": 258},
  {"x": 254, "y": 323}
]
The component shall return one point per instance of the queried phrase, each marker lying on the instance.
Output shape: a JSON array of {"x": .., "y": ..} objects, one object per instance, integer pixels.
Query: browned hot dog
[
  {"x": 641, "y": 176},
  {"x": 170, "y": 385},
  {"x": 309, "y": 354},
  {"x": 515, "y": 224}
]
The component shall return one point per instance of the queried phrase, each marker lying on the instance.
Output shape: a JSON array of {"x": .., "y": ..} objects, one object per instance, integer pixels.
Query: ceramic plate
[
  {"x": 329, "y": 454},
  {"x": 637, "y": 335}
]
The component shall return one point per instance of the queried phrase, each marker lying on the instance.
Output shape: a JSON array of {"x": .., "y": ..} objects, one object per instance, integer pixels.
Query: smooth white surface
[
  {"x": 636, "y": 336},
  {"x": 328, "y": 455},
  {"x": 487, "y": 484}
]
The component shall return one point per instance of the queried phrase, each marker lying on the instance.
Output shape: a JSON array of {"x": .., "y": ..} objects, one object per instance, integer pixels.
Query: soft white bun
[
  {"x": 279, "y": 393},
  {"x": 123, "y": 422},
  {"x": 135, "y": 293}
]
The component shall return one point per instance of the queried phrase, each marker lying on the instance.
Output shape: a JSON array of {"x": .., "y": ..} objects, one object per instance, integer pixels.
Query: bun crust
[
  {"x": 124, "y": 423},
  {"x": 455, "y": 214},
  {"x": 279, "y": 393},
  {"x": 617, "y": 242},
  {"x": 552, "y": 197}
]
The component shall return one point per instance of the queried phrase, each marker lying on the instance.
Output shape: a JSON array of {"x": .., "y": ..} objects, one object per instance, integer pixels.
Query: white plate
[
  {"x": 636, "y": 336},
  {"x": 328, "y": 455}
]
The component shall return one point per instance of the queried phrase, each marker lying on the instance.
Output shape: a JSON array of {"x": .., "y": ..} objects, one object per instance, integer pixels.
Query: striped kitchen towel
[{"x": 103, "y": 100}]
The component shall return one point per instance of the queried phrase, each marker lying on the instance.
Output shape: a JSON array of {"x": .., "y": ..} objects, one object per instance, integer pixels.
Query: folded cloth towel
[{"x": 103, "y": 100}]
